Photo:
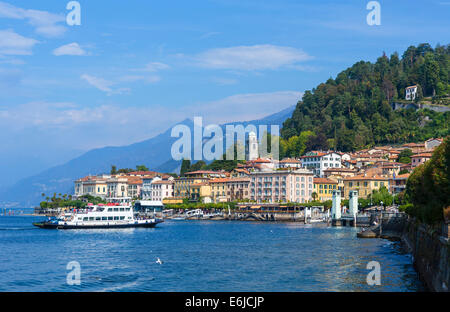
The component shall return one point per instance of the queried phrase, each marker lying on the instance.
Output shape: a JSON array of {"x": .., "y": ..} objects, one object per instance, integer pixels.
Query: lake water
[{"x": 199, "y": 256}]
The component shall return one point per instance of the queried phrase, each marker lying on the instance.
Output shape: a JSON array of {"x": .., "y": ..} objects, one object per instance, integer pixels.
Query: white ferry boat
[{"x": 99, "y": 217}]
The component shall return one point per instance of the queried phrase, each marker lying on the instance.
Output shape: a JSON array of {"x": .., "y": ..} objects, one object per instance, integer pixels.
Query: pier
[{"x": 351, "y": 217}]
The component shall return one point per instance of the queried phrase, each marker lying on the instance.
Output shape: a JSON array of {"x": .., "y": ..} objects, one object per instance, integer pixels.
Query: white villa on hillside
[{"x": 411, "y": 93}]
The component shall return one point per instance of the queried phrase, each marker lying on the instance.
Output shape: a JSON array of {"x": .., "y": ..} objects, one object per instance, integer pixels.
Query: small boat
[
  {"x": 179, "y": 218},
  {"x": 109, "y": 216}
]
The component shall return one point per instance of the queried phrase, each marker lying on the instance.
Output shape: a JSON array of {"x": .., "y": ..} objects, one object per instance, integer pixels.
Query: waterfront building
[
  {"x": 219, "y": 189},
  {"x": 91, "y": 185},
  {"x": 238, "y": 189},
  {"x": 134, "y": 187},
  {"x": 161, "y": 189},
  {"x": 281, "y": 186},
  {"x": 323, "y": 188},
  {"x": 320, "y": 161},
  {"x": 117, "y": 187},
  {"x": 182, "y": 185},
  {"x": 200, "y": 192},
  {"x": 229, "y": 189},
  {"x": 365, "y": 184}
]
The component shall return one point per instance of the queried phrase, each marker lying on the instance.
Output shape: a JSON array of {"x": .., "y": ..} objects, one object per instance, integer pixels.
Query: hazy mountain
[{"x": 154, "y": 153}]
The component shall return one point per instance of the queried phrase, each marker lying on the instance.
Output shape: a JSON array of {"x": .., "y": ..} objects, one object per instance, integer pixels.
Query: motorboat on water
[{"x": 102, "y": 216}]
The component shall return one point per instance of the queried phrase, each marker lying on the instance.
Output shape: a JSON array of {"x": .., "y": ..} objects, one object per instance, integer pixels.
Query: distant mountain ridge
[{"x": 154, "y": 153}]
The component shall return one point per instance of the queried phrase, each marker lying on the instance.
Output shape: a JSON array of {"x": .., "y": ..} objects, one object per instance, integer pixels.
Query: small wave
[{"x": 17, "y": 229}]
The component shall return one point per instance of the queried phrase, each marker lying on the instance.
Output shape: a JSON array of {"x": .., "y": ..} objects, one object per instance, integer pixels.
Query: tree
[
  {"x": 185, "y": 165},
  {"x": 113, "y": 170},
  {"x": 428, "y": 186},
  {"x": 141, "y": 168},
  {"x": 404, "y": 156}
]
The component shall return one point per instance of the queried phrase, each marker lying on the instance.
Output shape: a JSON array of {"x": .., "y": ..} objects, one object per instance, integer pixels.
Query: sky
[{"x": 134, "y": 68}]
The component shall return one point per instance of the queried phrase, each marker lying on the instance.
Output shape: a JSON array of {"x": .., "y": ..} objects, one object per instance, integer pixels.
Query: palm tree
[{"x": 314, "y": 195}]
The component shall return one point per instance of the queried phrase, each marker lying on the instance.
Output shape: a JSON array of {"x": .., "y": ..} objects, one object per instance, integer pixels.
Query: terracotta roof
[
  {"x": 422, "y": 155},
  {"x": 290, "y": 160},
  {"x": 324, "y": 181},
  {"x": 220, "y": 180},
  {"x": 340, "y": 169},
  {"x": 403, "y": 176},
  {"x": 362, "y": 177},
  {"x": 204, "y": 171},
  {"x": 134, "y": 180},
  {"x": 163, "y": 182}
]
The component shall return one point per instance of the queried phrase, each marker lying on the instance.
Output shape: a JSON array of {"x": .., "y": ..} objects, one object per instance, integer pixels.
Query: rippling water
[{"x": 199, "y": 256}]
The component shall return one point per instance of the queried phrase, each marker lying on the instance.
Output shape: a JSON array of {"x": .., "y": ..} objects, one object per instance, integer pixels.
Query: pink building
[
  {"x": 282, "y": 186},
  {"x": 419, "y": 159}
]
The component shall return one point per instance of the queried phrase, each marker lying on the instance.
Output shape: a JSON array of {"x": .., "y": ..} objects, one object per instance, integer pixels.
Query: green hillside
[{"x": 353, "y": 111}]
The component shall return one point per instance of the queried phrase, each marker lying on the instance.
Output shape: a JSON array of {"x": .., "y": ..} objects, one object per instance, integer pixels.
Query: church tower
[{"x": 252, "y": 146}]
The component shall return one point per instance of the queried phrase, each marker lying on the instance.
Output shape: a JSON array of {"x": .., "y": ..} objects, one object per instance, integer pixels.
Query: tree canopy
[{"x": 353, "y": 111}]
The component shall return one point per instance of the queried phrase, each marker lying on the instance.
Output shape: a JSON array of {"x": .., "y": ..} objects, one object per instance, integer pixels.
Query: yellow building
[
  {"x": 91, "y": 185},
  {"x": 364, "y": 184},
  {"x": 200, "y": 191},
  {"x": 182, "y": 186},
  {"x": 324, "y": 187},
  {"x": 219, "y": 190}
]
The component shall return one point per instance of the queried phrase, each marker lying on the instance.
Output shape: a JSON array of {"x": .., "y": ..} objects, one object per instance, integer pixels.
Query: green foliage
[
  {"x": 354, "y": 109},
  {"x": 405, "y": 156},
  {"x": 66, "y": 201},
  {"x": 185, "y": 165},
  {"x": 428, "y": 187}
]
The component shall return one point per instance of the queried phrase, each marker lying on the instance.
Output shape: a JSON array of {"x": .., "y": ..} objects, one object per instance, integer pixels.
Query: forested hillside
[{"x": 353, "y": 111}]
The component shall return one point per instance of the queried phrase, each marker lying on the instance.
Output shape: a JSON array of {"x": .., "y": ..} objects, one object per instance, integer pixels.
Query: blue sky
[{"x": 134, "y": 68}]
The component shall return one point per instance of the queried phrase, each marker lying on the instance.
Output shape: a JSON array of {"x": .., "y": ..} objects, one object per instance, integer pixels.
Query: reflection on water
[{"x": 199, "y": 256}]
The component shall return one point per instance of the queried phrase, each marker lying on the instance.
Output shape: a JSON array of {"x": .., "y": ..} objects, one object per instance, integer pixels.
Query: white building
[
  {"x": 253, "y": 152},
  {"x": 146, "y": 191},
  {"x": 411, "y": 93},
  {"x": 432, "y": 143},
  {"x": 161, "y": 189},
  {"x": 318, "y": 162}
]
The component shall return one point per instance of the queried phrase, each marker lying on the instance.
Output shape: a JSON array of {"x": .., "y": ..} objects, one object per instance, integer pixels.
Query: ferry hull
[{"x": 52, "y": 226}]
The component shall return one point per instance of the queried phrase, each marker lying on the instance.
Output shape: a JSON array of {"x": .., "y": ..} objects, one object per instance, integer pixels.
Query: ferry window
[
  {"x": 109, "y": 209},
  {"x": 91, "y": 218},
  {"x": 110, "y": 218},
  {"x": 122, "y": 209},
  {"x": 85, "y": 219},
  {"x": 128, "y": 209},
  {"x": 104, "y": 218},
  {"x": 97, "y": 218},
  {"x": 116, "y": 218},
  {"x": 116, "y": 209},
  {"x": 122, "y": 217}
]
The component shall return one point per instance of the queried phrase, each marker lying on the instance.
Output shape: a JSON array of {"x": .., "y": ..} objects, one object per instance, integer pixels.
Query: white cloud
[
  {"x": 11, "y": 43},
  {"x": 104, "y": 85},
  {"x": 135, "y": 78},
  {"x": 118, "y": 125},
  {"x": 45, "y": 23},
  {"x": 257, "y": 57},
  {"x": 154, "y": 67},
  {"x": 99, "y": 83},
  {"x": 69, "y": 49},
  {"x": 245, "y": 107}
]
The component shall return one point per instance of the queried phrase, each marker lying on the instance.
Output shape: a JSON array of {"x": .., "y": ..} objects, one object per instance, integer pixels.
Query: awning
[{"x": 255, "y": 207}]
